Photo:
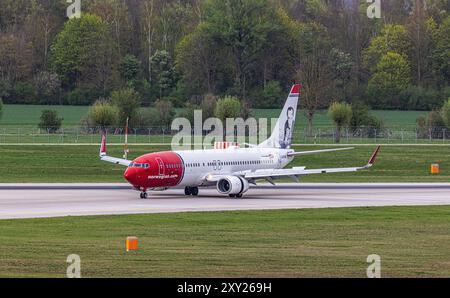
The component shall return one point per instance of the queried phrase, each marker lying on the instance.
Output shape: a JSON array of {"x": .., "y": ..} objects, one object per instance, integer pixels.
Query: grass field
[
  {"x": 81, "y": 164},
  {"x": 411, "y": 241},
  {"x": 28, "y": 115}
]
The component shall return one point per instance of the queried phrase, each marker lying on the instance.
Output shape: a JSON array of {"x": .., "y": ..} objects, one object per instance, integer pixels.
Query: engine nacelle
[{"x": 232, "y": 185}]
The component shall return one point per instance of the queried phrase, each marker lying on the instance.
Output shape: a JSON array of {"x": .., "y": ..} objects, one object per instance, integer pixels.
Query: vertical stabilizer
[{"x": 282, "y": 133}]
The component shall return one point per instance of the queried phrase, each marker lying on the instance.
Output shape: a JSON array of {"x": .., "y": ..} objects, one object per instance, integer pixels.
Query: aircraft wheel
[
  {"x": 194, "y": 191},
  {"x": 239, "y": 195},
  {"x": 232, "y": 196},
  {"x": 187, "y": 191},
  {"x": 144, "y": 195}
]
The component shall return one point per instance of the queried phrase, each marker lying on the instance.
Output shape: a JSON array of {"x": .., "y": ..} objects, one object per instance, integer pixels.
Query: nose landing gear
[
  {"x": 191, "y": 191},
  {"x": 144, "y": 195}
]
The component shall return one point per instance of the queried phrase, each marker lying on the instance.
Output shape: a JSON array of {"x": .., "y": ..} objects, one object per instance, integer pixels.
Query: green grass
[
  {"x": 412, "y": 242},
  {"x": 28, "y": 115},
  {"x": 321, "y": 119},
  {"x": 81, "y": 164}
]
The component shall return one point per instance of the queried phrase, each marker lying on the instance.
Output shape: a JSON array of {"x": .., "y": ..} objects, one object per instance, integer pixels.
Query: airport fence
[{"x": 163, "y": 135}]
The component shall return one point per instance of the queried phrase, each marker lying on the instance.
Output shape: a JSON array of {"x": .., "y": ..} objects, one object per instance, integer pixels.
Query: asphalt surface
[{"x": 56, "y": 200}]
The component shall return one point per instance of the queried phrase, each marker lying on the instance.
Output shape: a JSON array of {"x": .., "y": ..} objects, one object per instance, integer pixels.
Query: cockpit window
[{"x": 139, "y": 165}]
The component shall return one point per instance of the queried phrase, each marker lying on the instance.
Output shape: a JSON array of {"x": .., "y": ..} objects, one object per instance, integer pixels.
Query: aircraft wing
[
  {"x": 295, "y": 172},
  {"x": 318, "y": 151},
  {"x": 104, "y": 157},
  {"x": 117, "y": 161}
]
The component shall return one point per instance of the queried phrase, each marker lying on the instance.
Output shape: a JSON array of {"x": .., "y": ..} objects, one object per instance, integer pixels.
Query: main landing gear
[
  {"x": 191, "y": 191},
  {"x": 144, "y": 195},
  {"x": 236, "y": 196}
]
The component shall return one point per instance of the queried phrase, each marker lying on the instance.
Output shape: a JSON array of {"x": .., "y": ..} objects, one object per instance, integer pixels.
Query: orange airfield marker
[
  {"x": 435, "y": 168},
  {"x": 132, "y": 243}
]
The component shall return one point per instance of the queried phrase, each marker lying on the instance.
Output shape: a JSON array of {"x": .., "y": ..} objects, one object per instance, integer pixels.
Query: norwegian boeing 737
[{"x": 230, "y": 168}]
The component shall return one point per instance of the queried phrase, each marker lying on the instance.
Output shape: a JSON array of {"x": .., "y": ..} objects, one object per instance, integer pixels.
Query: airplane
[{"x": 228, "y": 167}]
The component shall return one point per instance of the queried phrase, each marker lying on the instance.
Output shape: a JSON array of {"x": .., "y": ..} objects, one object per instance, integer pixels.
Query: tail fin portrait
[{"x": 282, "y": 133}]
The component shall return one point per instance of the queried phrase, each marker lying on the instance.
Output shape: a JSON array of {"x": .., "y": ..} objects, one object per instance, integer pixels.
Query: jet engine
[{"x": 232, "y": 185}]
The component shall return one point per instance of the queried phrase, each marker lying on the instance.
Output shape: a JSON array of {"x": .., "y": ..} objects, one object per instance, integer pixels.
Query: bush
[
  {"x": 228, "y": 107},
  {"x": 361, "y": 117},
  {"x": 50, "y": 121},
  {"x": 445, "y": 111},
  {"x": 103, "y": 114},
  {"x": 148, "y": 118},
  {"x": 341, "y": 114},
  {"x": 435, "y": 124},
  {"x": 128, "y": 102}
]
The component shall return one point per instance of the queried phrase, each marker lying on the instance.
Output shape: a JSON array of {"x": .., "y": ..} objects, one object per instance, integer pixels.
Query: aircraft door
[{"x": 161, "y": 168}]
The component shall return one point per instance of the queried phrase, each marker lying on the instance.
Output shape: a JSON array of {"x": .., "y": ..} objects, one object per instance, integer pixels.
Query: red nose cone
[{"x": 131, "y": 176}]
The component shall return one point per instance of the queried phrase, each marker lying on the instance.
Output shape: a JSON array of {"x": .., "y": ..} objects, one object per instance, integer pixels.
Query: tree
[
  {"x": 103, "y": 114},
  {"x": 421, "y": 42},
  {"x": 130, "y": 69},
  {"x": 128, "y": 102},
  {"x": 1, "y": 107},
  {"x": 243, "y": 27},
  {"x": 393, "y": 38},
  {"x": 15, "y": 53},
  {"x": 165, "y": 111},
  {"x": 163, "y": 72},
  {"x": 341, "y": 114},
  {"x": 441, "y": 53},
  {"x": 314, "y": 68},
  {"x": 201, "y": 61},
  {"x": 83, "y": 54},
  {"x": 47, "y": 86},
  {"x": 50, "y": 121},
  {"x": 392, "y": 76},
  {"x": 270, "y": 96},
  {"x": 115, "y": 13}
]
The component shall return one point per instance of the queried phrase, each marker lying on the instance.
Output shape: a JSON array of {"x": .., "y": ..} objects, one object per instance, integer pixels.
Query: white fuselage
[{"x": 199, "y": 163}]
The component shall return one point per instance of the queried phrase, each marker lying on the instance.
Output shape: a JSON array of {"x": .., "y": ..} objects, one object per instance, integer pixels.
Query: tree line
[{"x": 180, "y": 53}]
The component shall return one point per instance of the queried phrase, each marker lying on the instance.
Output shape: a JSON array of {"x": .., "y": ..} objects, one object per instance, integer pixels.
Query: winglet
[
  {"x": 103, "y": 146},
  {"x": 374, "y": 156}
]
